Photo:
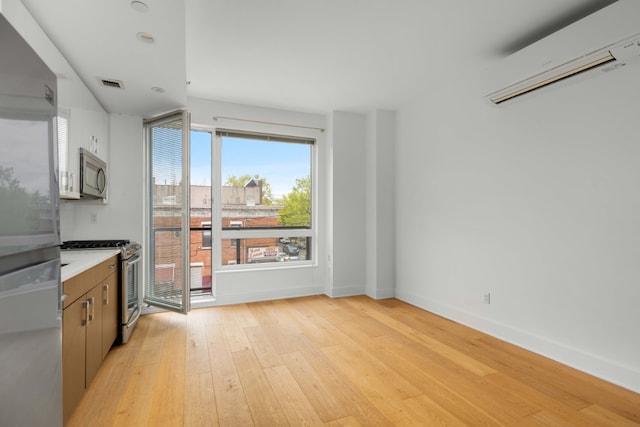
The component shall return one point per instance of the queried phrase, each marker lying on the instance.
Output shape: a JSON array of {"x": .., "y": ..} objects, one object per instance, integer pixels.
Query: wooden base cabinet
[
  {"x": 89, "y": 328},
  {"x": 94, "y": 334},
  {"x": 109, "y": 312},
  {"x": 74, "y": 344}
]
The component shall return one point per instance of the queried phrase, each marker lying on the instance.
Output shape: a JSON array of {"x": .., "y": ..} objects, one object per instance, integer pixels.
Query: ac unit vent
[
  {"x": 520, "y": 74},
  {"x": 111, "y": 83}
]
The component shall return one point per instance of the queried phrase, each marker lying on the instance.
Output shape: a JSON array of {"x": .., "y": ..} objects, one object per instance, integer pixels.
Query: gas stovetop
[
  {"x": 126, "y": 247},
  {"x": 94, "y": 244}
]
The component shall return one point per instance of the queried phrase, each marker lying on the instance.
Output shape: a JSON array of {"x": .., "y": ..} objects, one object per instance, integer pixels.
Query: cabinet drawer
[
  {"x": 79, "y": 285},
  {"x": 107, "y": 267}
]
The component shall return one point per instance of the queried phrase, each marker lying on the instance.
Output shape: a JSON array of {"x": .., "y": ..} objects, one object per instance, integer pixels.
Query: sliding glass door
[{"x": 167, "y": 284}]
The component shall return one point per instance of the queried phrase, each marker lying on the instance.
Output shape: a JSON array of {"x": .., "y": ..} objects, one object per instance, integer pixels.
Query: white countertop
[{"x": 79, "y": 261}]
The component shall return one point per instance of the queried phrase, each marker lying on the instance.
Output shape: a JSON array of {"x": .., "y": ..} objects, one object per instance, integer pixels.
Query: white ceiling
[{"x": 304, "y": 55}]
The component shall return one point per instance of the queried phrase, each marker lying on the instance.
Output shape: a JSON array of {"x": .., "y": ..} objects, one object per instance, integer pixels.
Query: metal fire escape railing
[{"x": 238, "y": 245}]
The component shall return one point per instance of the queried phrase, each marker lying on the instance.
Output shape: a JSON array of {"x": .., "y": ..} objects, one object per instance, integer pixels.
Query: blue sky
[{"x": 278, "y": 162}]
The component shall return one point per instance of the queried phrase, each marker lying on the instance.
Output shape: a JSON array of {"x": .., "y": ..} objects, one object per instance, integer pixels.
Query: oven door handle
[
  {"x": 134, "y": 317},
  {"x": 133, "y": 260}
]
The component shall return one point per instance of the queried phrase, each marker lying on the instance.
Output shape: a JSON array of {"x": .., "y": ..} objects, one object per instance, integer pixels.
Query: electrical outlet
[
  {"x": 487, "y": 298},
  {"x": 93, "y": 218}
]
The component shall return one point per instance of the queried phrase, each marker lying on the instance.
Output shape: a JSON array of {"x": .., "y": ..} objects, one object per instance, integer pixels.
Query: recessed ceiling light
[
  {"x": 139, "y": 6},
  {"x": 157, "y": 89},
  {"x": 145, "y": 37}
]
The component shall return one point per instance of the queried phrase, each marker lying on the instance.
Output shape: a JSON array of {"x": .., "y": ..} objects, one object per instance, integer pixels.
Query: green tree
[
  {"x": 241, "y": 181},
  {"x": 296, "y": 210}
]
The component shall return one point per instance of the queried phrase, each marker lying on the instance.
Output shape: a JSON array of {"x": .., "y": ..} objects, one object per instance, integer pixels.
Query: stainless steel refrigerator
[{"x": 30, "y": 290}]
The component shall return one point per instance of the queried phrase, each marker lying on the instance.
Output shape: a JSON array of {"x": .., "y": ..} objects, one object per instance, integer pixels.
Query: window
[{"x": 266, "y": 197}]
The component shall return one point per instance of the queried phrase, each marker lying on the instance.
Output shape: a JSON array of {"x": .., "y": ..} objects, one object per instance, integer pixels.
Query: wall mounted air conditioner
[{"x": 550, "y": 60}]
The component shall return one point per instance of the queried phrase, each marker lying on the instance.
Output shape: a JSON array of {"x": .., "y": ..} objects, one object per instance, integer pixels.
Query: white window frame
[{"x": 246, "y": 233}]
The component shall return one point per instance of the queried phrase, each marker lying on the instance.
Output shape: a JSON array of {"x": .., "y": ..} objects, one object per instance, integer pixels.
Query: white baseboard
[
  {"x": 347, "y": 291},
  {"x": 271, "y": 294},
  {"x": 382, "y": 293},
  {"x": 592, "y": 364}
]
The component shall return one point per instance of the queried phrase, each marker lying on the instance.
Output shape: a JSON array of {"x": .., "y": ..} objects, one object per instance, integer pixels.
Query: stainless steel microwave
[{"x": 93, "y": 176}]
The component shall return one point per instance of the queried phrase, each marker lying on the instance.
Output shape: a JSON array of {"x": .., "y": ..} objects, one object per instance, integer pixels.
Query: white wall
[
  {"x": 537, "y": 204},
  {"x": 121, "y": 217},
  {"x": 348, "y": 195},
  {"x": 380, "y": 204}
]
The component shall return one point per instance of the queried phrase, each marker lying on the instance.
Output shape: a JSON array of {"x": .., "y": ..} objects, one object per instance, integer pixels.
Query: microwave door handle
[{"x": 101, "y": 180}]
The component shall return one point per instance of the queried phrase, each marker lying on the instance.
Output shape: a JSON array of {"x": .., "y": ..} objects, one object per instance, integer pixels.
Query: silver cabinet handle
[
  {"x": 105, "y": 293},
  {"x": 112, "y": 265},
  {"x": 92, "y": 313},
  {"x": 85, "y": 312}
]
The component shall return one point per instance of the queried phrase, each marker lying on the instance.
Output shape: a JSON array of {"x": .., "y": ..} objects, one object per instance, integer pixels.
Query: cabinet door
[
  {"x": 73, "y": 354},
  {"x": 94, "y": 334},
  {"x": 109, "y": 312}
]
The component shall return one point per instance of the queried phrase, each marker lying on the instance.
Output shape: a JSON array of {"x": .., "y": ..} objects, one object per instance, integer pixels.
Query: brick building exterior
[{"x": 241, "y": 207}]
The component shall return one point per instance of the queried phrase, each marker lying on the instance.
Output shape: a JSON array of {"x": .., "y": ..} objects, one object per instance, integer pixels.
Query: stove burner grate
[{"x": 94, "y": 244}]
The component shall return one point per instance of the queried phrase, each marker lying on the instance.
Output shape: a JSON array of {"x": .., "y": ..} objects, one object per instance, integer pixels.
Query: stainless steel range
[{"x": 130, "y": 276}]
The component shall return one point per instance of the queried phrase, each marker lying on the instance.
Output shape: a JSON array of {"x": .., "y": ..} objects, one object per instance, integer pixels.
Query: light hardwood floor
[{"x": 337, "y": 362}]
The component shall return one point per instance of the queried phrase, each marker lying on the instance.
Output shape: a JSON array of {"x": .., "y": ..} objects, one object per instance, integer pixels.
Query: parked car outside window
[{"x": 290, "y": 249}]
